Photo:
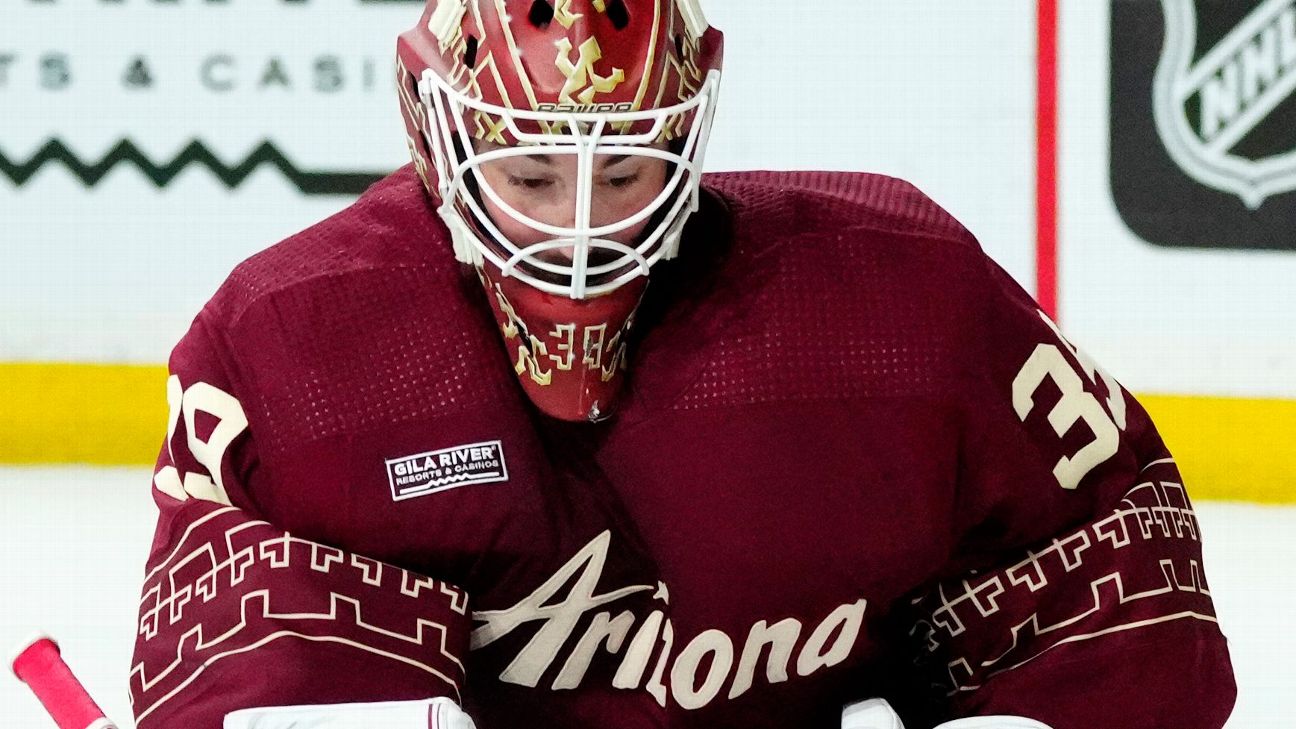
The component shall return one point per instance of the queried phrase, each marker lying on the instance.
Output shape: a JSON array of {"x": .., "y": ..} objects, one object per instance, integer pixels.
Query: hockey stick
[{"x": 39, "y": 665}]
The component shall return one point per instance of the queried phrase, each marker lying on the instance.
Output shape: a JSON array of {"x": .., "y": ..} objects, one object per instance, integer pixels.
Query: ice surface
[{"x": 73, "y": 543}]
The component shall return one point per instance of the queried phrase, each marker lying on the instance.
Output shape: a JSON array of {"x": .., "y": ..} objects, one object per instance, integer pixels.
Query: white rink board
[
  {"x": 114, "y": 273},
  {"x": 1162, "y": 320},
  {"x": 938, "y": 92},
  {"x": 930, "y": 90},
  {"x": 74, "y": 543}
]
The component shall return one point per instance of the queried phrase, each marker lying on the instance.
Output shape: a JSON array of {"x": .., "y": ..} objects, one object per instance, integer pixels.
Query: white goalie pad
[
  {"x": 871, "y": 714},
  {"x": 995, "y": 722},
  {"x": 878, "y": 714},
  {"x": 439, "y": 713}
]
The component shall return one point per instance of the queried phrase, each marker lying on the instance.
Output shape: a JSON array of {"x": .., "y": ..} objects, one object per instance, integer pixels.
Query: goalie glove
[
  {"x": 878, "y": 714},
  {"x": 438, "y": 713}
]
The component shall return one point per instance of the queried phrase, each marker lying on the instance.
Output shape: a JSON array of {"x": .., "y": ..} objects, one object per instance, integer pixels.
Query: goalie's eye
[
  {"x": 621, "y": 181},
  {"x": 530, "y": 183}
]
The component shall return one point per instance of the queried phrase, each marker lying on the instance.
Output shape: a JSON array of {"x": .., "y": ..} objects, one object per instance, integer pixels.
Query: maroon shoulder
[
  {"x": 391, "y": 225},
  {"x": 361, "y": 321},
  {"x": 818, "y": 201},
  {"x": 832, "y": 287}
]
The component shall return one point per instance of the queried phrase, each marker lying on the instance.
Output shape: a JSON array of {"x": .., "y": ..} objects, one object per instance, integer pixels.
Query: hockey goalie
[{"x": 549, "y": 429}]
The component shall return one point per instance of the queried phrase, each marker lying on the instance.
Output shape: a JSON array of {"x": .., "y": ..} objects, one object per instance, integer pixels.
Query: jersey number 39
[
  {"x": 209, "y": 452},
  {"x": 1076, "y": 404}
]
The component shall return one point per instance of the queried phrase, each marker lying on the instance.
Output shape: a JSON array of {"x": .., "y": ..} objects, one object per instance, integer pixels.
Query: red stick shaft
[{"x": 41, "y": 667}]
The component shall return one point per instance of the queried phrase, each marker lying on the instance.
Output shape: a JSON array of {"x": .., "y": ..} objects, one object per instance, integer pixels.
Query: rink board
[{"x": 1227, "y": 448}]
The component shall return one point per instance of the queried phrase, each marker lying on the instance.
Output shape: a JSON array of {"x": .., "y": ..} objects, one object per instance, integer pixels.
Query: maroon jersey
[{"x": 853, "y": 460}]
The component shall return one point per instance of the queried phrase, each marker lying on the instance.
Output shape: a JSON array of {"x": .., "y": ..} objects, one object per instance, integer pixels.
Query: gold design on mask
[
  {"x": 564, "y": 15},
  {"x": 488, "y": 128},
  {"x": 690, "y": 77},
  {"x": 581, "y": 76},
  {"x": 565, "y": 337},
  {"x": 592, "y": 356},
  {"x": 530, "y": 350},
  {"x": 617, "y": 346}
]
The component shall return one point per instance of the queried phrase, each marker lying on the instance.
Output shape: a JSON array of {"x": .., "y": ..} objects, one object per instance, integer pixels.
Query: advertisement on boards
[{"x": 1203, "y": 122}]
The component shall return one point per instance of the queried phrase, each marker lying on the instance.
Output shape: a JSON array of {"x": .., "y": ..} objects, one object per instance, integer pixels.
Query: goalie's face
[
  {"x": 569, "y": 353},
  {"x": 547, "y": 188},
  {"x": 563, "y": 142}
]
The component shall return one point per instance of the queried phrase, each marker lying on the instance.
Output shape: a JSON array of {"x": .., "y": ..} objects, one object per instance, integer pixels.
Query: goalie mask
[{"x": 563, "y": 142}]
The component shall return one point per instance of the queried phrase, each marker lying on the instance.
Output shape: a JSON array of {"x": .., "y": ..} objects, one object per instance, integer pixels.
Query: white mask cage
[{"x": 586, "y": 137}]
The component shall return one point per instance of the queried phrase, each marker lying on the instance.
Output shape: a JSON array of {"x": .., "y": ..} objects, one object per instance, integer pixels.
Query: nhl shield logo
[
  {"x": 1224, "y": 103},
  {"x": 1203, "y": 121}
]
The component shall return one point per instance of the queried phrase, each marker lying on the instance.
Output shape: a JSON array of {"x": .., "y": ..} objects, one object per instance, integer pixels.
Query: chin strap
[
  {"x": 438, "y": 713},
  {"x": 878, "y": 714}
]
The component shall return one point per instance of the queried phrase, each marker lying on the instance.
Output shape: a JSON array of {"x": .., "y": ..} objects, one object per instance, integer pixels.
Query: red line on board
[{"x": 1046, "y": 188}]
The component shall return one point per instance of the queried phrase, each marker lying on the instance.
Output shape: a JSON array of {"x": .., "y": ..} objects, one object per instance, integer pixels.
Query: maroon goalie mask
[{"x": 563, "y": 141}]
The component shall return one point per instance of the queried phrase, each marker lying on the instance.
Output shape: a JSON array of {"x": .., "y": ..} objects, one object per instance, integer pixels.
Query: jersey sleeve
[
  {"x": 1076, "y": 593},
  {"x": 238, "y": 613}
]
